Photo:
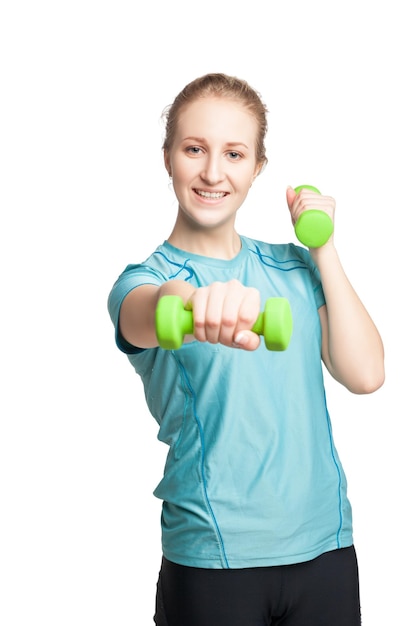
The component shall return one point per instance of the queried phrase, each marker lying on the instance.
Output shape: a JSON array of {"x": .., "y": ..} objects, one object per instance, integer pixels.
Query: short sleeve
[{"x": 133, "y": 276}]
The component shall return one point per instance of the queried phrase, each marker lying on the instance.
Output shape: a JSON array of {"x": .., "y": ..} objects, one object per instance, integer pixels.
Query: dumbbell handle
[
  {"x": 314, "y": 227},
  {"x": 172, "y": 322}
]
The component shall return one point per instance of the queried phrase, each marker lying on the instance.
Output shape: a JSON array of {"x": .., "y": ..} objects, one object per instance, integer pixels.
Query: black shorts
[{"x": 321, "y": 592}]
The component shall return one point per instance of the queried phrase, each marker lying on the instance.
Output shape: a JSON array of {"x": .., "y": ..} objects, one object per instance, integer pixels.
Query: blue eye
[
  {"x": 193, "y": 149},
  {"x": 234, "y": 156}
]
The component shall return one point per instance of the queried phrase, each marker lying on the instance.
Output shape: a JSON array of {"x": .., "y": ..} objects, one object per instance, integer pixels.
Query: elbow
[{"x": 368, "y": 383}]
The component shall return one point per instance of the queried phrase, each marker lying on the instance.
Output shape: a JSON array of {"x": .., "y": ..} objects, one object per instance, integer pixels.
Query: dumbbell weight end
[
  {"x": 172, "y": 322},
  {"x": 275, "y": 324}
]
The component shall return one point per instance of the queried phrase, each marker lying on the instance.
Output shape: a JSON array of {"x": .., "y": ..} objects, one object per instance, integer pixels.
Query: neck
[{"x": 214, "y": 243}]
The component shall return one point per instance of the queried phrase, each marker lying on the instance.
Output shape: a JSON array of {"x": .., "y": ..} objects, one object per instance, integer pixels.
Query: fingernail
[{"x": 240, "y": 340}]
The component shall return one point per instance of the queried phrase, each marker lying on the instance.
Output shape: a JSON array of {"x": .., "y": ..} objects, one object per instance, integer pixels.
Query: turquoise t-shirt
[{"x": 252, "y": 476}]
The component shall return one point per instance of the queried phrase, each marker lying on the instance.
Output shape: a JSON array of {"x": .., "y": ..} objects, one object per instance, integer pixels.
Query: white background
[{"x": 84, "y": 193}]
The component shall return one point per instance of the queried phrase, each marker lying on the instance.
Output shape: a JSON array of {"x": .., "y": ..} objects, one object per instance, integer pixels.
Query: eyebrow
[{"x": 229, "y": 144}]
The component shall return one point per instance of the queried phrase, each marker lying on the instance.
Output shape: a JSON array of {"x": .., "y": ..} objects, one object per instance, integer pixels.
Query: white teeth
[{"x": 207, "y": 194}]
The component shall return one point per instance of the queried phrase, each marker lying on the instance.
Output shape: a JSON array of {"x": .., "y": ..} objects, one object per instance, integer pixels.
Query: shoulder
[{"x": 156, "y": 268}]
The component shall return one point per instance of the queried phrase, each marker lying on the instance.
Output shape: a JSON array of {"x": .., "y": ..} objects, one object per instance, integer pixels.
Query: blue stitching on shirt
[
  {"x": 181, "y": 268},
  {"x": 276, "y": 264},
  {"x": 203, "y": 475},
  {"x": 339, "y": 486}
]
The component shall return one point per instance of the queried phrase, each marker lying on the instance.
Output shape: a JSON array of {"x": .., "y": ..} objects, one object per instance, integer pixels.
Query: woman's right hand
[{"x": 224, "y": 313}]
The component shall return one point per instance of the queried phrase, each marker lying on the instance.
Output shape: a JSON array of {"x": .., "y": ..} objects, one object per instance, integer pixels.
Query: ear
[
  {"x": 167, "y": 163},
  {"x": 258, "y": 170}
]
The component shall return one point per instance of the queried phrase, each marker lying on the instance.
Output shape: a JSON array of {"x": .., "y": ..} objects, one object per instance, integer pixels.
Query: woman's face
[{"x": 213, "y": 160}]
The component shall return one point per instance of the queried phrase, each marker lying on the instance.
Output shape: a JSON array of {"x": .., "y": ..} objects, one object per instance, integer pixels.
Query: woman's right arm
[{"x": 137, "y": 313}]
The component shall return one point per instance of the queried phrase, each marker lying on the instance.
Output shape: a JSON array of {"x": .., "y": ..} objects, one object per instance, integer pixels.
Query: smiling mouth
[{"x": 214, "y": 195}]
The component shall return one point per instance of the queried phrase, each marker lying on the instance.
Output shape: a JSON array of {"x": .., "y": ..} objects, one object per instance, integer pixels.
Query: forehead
[{"x": 214, "y": 117}]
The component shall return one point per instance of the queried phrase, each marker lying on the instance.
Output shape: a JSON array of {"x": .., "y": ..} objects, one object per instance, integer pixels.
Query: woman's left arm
[{"x": 352, "y": 348}]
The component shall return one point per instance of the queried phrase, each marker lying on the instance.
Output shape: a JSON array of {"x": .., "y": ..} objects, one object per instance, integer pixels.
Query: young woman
[{"x": 256, "y": 523}]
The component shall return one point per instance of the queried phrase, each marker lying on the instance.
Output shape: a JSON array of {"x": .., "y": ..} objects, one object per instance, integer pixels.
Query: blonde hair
[{"x": 221, "y": 86}]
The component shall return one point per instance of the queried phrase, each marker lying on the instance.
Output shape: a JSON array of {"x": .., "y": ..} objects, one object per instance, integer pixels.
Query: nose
[{"x": 213, "y": 169}]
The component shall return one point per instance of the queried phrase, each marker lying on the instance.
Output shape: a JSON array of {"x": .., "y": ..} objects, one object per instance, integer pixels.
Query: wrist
[
  {"x": 176, "y": 288},
  {"x": 324, "y": 254}
]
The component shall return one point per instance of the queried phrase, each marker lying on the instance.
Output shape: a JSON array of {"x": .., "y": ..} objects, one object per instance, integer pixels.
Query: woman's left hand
[{"x": 306, "y": 200}]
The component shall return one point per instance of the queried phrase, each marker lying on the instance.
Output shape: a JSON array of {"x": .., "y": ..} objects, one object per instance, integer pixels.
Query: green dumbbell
[
  {"x": 314, "y": 227},
  {"x": 172, "y": 322}
]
